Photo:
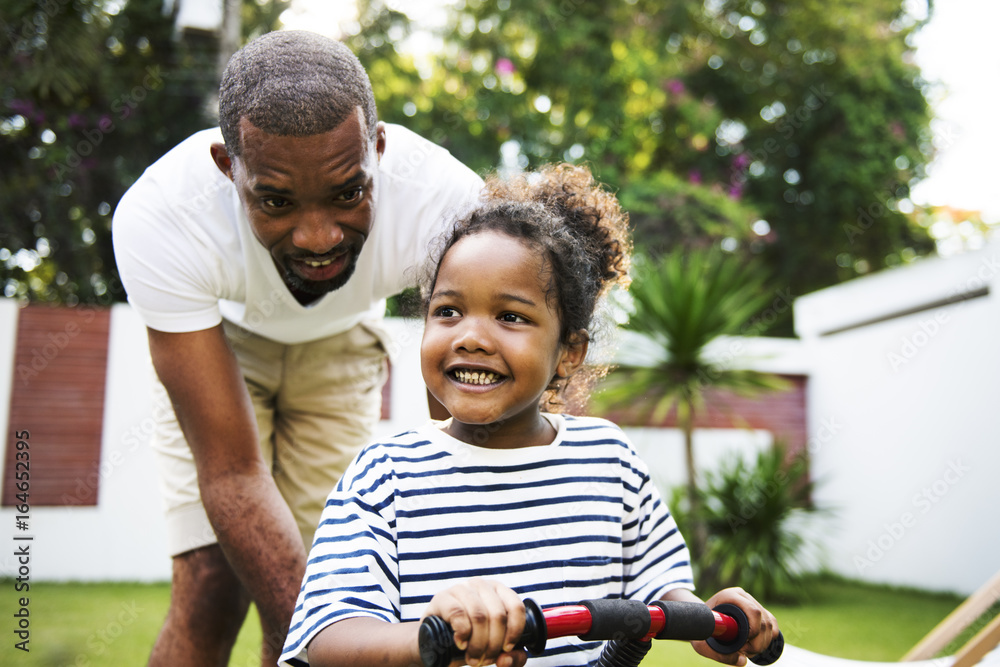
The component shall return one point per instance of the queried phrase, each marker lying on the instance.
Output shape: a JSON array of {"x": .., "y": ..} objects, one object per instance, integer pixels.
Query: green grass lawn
[
  {"x": 91, "y": 625},
  {"x": 84, "y": 625}
]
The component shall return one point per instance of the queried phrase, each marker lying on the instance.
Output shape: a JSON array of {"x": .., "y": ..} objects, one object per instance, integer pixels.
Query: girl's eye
[
  {"x": 512, "y": 318},
  {"x": 446, "y": 311}
]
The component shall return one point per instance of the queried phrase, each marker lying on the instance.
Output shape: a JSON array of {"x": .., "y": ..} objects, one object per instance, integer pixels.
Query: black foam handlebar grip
[
  {"x": 686, "y": 621},
  {"x": 436, "y": 639},
  {"x": 437, "y": 642},
  {"x": 765, "y": 657},
  {"x": 772, "y": 652},
  {"x": 743, "y": 630},
  {"x": 617, "y": 619}
]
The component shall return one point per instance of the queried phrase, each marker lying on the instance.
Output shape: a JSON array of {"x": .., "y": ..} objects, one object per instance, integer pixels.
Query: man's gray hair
[{"x": 293, "y": 82}]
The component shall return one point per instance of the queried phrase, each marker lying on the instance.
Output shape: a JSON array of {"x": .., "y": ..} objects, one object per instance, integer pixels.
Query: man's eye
[
  {"x": 274, "y": 202},
  {"x": 352, "y": 195}
]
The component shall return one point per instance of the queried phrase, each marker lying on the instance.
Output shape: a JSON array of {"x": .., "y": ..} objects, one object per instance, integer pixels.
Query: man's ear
[
  {"x": 222, "y": 160},
  {"x": 573, "y": 354},
  {"x": 380, "y": 139}
]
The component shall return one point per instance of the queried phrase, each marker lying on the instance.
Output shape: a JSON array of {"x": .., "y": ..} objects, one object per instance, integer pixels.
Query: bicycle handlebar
[{"x": 725, "y": 628}]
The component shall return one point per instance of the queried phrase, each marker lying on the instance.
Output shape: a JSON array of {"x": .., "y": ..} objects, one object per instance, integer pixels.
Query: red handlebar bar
[{"x": 575, "y": 620}]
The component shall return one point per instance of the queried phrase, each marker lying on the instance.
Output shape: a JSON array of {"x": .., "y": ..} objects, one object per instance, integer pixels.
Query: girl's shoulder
[
  {"x": 404, "y": 445},
  {"x": 586, "y": 431},
  {"x": 383, "y": 456},
  {"x": 596, "y": 428}
]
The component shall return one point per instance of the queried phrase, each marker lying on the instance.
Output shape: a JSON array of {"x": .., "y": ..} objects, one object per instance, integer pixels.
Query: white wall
[
  {"x": 8, "y": 338},
  {"x": 123, "y": 537},
  {"x": 663, "y": 450},
  {"x": 904, "y": 419}
]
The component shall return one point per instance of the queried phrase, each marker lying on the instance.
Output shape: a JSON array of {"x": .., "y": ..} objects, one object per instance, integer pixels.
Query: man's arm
[{"x": 253, "y": 524}]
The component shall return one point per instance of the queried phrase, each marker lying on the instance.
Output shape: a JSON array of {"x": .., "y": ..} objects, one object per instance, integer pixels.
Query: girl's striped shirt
[{"x": 575, "y": 520}]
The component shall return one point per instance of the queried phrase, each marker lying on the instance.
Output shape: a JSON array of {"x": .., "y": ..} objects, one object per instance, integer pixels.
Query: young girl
[{"x": 465, "y": 517}]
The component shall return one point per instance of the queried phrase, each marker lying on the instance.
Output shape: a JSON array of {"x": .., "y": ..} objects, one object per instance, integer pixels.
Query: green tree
[
  {"x": 394, "y": 76},
  {"x": 682, "y": 303},
  {"x": 93, "y": 93},
  {"x": 790, "y": 130},
  {"x": 828, "y": 128}
]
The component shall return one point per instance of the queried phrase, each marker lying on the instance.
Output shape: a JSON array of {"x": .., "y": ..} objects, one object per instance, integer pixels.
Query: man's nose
[{"x": 317, "y": 231}]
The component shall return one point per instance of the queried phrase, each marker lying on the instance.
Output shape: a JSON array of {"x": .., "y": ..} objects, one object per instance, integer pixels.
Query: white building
[{"x": 903, "y": 372}]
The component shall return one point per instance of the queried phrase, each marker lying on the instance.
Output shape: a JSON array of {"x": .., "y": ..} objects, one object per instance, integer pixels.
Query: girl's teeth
[{"x": 476, "y": 377}]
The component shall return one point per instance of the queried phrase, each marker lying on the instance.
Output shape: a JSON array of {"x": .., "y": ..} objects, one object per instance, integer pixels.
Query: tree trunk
[
  {"x": 699, "y": 533},
  {"x": 230, "y": 35}
]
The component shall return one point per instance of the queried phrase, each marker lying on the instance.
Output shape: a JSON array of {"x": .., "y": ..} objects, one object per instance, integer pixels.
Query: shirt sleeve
[
  {"x": 169, "y": 265},
  {"x": 425, "y": 190},
  {"x": 352, "y": 570},
  {"x": 656, "y": 557}
]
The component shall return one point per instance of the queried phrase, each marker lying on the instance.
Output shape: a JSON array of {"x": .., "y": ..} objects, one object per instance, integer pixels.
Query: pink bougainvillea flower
[{"x": 504, "y": 66}]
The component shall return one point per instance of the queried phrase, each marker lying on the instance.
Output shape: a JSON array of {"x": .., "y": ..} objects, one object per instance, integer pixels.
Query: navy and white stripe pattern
[{"x": 578, "y": 519}]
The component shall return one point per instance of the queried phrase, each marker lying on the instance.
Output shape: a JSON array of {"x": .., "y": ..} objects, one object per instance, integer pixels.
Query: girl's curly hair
[{"x": 578, "y": 226}]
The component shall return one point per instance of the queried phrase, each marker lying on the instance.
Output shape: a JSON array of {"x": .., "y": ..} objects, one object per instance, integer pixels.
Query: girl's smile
[{"x": 491, "y": 344}]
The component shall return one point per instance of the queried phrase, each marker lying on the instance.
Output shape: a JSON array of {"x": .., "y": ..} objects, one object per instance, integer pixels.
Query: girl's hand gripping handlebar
[{"x": 725, "y": 628}]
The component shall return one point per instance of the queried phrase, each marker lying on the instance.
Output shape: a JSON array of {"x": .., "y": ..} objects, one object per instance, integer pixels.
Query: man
[{"x": 259, "y": 259}]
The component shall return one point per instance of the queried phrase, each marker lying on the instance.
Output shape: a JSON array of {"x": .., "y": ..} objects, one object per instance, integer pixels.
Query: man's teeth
[
  {"x": 318, "y": 264},
  {"x": 477, "y": 377}
]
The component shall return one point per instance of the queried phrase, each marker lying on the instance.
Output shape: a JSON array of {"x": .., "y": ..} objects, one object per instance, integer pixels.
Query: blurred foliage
[
  {"x": 836, "y": 124},
  {"x": 750, "y": 511},
  {"x": 955, "y": 230},
  {"x": 682, "y": 302},
  {"x": 785, "y": 131},
  {"x": 790, "y": 131},
  {"x": 93, "y": 93}
]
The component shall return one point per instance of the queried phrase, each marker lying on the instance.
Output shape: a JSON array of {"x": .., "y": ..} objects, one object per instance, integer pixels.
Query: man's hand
[{"x": 488, "y": 619}]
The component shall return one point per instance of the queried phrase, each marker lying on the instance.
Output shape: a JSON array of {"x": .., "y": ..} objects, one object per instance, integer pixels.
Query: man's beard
[{"x": 318, "y": 288}]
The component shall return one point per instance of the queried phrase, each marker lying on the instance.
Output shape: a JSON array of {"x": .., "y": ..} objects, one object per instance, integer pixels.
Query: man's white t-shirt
[{"x": 188, "y": 258}]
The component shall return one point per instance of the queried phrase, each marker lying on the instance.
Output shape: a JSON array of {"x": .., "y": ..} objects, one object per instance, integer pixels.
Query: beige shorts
[{"x": 317, "y": 404}]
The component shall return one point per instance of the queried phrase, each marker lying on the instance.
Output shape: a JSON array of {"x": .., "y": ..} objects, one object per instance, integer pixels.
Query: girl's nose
[{"x": 473, "y": 336}]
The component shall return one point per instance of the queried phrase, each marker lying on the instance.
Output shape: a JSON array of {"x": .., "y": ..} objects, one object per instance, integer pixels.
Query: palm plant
[
  {"x": 682, "y": 303},
  {"x": 750, "y": 510}
]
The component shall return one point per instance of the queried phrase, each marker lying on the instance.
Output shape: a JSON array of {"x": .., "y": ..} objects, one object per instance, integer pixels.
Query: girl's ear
[{"x": 573, "y": 354}]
